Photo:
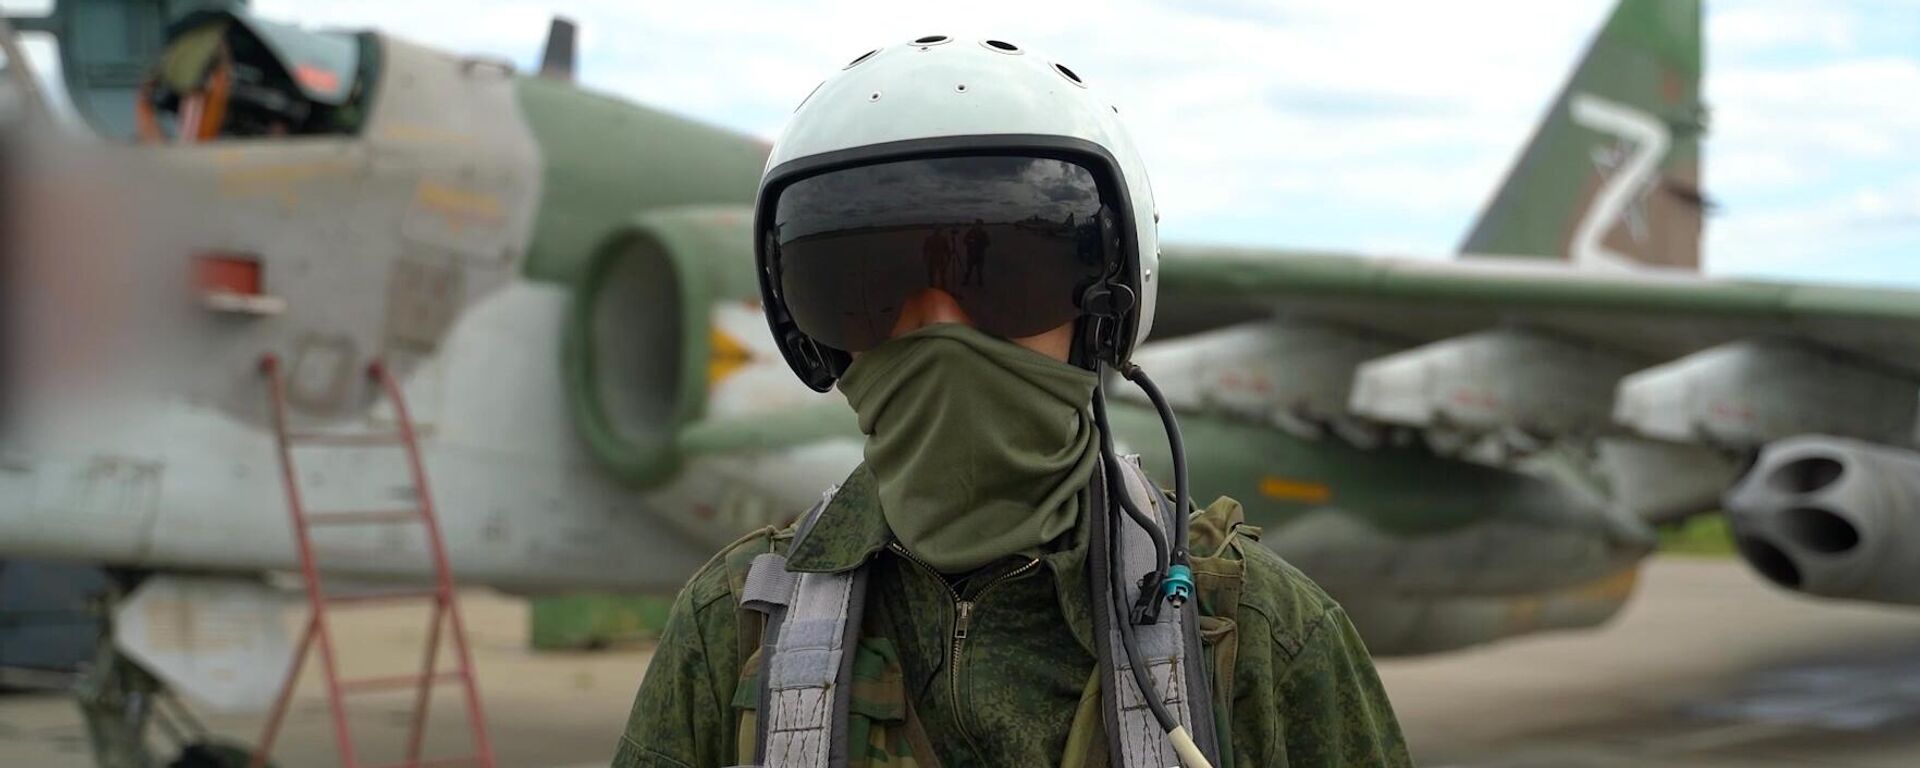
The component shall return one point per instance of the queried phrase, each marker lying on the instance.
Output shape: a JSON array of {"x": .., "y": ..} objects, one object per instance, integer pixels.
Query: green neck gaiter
[{"x": 981, "y": 446}]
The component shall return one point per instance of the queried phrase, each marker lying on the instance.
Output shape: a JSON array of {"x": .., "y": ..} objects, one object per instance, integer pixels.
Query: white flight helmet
[{"x": 939, "y": 99}]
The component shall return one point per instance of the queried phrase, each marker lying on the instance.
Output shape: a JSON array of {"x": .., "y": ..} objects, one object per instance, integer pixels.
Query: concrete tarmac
[{"x": 1706, "y": 667}]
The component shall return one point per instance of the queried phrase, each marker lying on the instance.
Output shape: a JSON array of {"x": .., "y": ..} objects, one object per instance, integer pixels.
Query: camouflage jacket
[{"x": 997, "y": 668}]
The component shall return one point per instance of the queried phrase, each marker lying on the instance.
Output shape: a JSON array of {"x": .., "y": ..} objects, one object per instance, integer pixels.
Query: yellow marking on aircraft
[
  {"x": 458, "y": 205},
  {"x": 727, "y": 358},
  {"x": 426, "y": 134},
  {"x": 1613, "y": 588},
  {"x": 1303, "y": 491},
  {"x": 239, "y": 178},
  {"x": 244, "y": 174},
  {"x": 1524, "y": 612}
]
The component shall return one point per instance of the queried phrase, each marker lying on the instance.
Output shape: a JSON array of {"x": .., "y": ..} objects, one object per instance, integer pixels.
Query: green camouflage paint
[
  {"x": 606, "y": 160},
  {"x": 1272, "y": 278},
  {"x": 1405, "y": 492},
  {"x": 700, "y": 255},
  {"x": 1647, "y": 60}
]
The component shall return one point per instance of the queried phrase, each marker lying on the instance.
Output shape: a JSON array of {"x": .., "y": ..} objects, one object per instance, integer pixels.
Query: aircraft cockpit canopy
[{"x": 225, "y": 75}]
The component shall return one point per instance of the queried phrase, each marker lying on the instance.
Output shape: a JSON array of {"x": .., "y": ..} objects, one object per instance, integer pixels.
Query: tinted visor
[{"x": 1015, "y": 240}]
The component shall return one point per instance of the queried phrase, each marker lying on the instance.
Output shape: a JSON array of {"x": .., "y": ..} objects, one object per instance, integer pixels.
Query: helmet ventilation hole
[
  {"x": 861, "y": 58},
  {"x": 875, "y": 96},
  {"x": 961, "y": 88},
  {"x": 1069, "y": 74},
  {"x": 931, "y": 40},
  {"x": 1001, "y": 46}
]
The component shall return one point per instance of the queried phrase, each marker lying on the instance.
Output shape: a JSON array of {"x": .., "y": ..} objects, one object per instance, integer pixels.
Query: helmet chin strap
[{"x": 1171, "y": 581}]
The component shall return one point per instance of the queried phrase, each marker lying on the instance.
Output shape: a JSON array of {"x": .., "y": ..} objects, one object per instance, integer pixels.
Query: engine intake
[{"x": 639, "y": 342}]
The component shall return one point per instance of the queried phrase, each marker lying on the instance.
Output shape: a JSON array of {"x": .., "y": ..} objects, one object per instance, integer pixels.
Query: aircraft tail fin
[
  {"x": 557, "y": 59},
  {"x": 1611, "y": 177}
]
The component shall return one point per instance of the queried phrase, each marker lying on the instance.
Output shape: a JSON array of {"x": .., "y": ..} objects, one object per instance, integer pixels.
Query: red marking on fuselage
[
  {"x": 1475, "y": 398},
  {"x": 1731, "y": 411},
  {"x": 318, "y": 79}
]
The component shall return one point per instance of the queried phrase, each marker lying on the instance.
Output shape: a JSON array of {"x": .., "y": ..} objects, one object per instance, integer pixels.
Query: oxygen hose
[
  {"x": 1177, "y": 582},
  {"x": 1111, "y": 459},
  {"x": 1183, "y": 744}
]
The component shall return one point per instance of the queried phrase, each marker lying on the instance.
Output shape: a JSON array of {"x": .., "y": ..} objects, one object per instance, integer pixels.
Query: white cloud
[
  {"x": 1325, "y": 121},
  {"x": 1843, "y": 106},
  {"x": 1239, "y": 107},
  {"x": 1760, "y": 26},
  {"x": 1798, "y": 241}
]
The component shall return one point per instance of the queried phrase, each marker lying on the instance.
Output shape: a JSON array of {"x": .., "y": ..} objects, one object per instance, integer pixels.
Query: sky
[{"x": 1378, "y": 126}]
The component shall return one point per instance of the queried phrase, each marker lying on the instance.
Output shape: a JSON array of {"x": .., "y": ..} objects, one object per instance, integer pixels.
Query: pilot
[{"x": 995, "y": 585}]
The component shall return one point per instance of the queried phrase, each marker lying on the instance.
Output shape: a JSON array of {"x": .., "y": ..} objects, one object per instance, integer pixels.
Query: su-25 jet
[{"x": 1460, "y": 451}]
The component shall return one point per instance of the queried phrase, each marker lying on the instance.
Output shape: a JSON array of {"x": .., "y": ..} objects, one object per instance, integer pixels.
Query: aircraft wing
[
  {"x": 1791, "y": 406},
  {"x": 1653, "y": 314}
]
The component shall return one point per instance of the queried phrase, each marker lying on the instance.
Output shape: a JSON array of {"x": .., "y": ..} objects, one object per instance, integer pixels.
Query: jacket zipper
[{"x": 962, "y": 623}]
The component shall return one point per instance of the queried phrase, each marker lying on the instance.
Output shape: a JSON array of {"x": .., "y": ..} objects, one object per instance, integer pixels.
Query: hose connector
[{"x": 1177, "y": 587}]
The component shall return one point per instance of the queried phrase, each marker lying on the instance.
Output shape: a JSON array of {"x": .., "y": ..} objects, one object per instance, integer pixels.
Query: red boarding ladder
[{"x": 445, "y": 610}]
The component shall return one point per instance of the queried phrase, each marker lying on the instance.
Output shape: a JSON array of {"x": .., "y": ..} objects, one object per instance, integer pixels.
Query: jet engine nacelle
[
  {"x": 1832, "y": 517},
  {"x": 640, "y": 346}
]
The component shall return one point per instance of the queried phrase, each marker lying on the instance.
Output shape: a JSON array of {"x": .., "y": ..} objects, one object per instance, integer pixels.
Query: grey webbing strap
[
  {"x": 806, "y": 658},
  {"x": 768, "y": 591},
  {"x": 1199, "y": 715},
  {"x": 809, "y": 680},
  {"x": 1134, "y": 735},
  {"x": 769, "y": 584}
]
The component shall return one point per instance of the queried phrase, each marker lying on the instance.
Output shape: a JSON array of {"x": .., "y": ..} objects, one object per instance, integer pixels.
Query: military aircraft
[{"x": 1460, "y": 451}]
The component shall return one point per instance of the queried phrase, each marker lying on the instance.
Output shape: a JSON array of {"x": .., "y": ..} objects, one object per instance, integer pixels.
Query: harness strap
[
  {"x": 769, "y": 585},
  {"x": 1169, "y": 647},
  {"x": 806, "y": 658},
  {"x": 812, "y": 621}
]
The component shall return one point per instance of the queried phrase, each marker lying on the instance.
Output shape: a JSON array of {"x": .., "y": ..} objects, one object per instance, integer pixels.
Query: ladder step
[
  {"x": 434, "y": 762},
  {"x": 397, "y": 596},
  {"x": 400, "y": 434},
  {"x": 362, "y": 517},
  {"x": 345, "y": 438},
  {"x": 395, "y": 682}
]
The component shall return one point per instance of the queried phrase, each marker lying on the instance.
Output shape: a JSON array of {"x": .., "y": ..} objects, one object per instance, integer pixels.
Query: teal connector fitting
[{"x": 1178, "y": 586}]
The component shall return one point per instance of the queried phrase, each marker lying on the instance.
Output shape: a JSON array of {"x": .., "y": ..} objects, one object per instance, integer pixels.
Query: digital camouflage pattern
[{"x": 1011, "y": 683}]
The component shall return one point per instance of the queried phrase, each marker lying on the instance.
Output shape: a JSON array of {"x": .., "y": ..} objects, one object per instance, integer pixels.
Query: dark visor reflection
[{"x": 1013, "y": 239}]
